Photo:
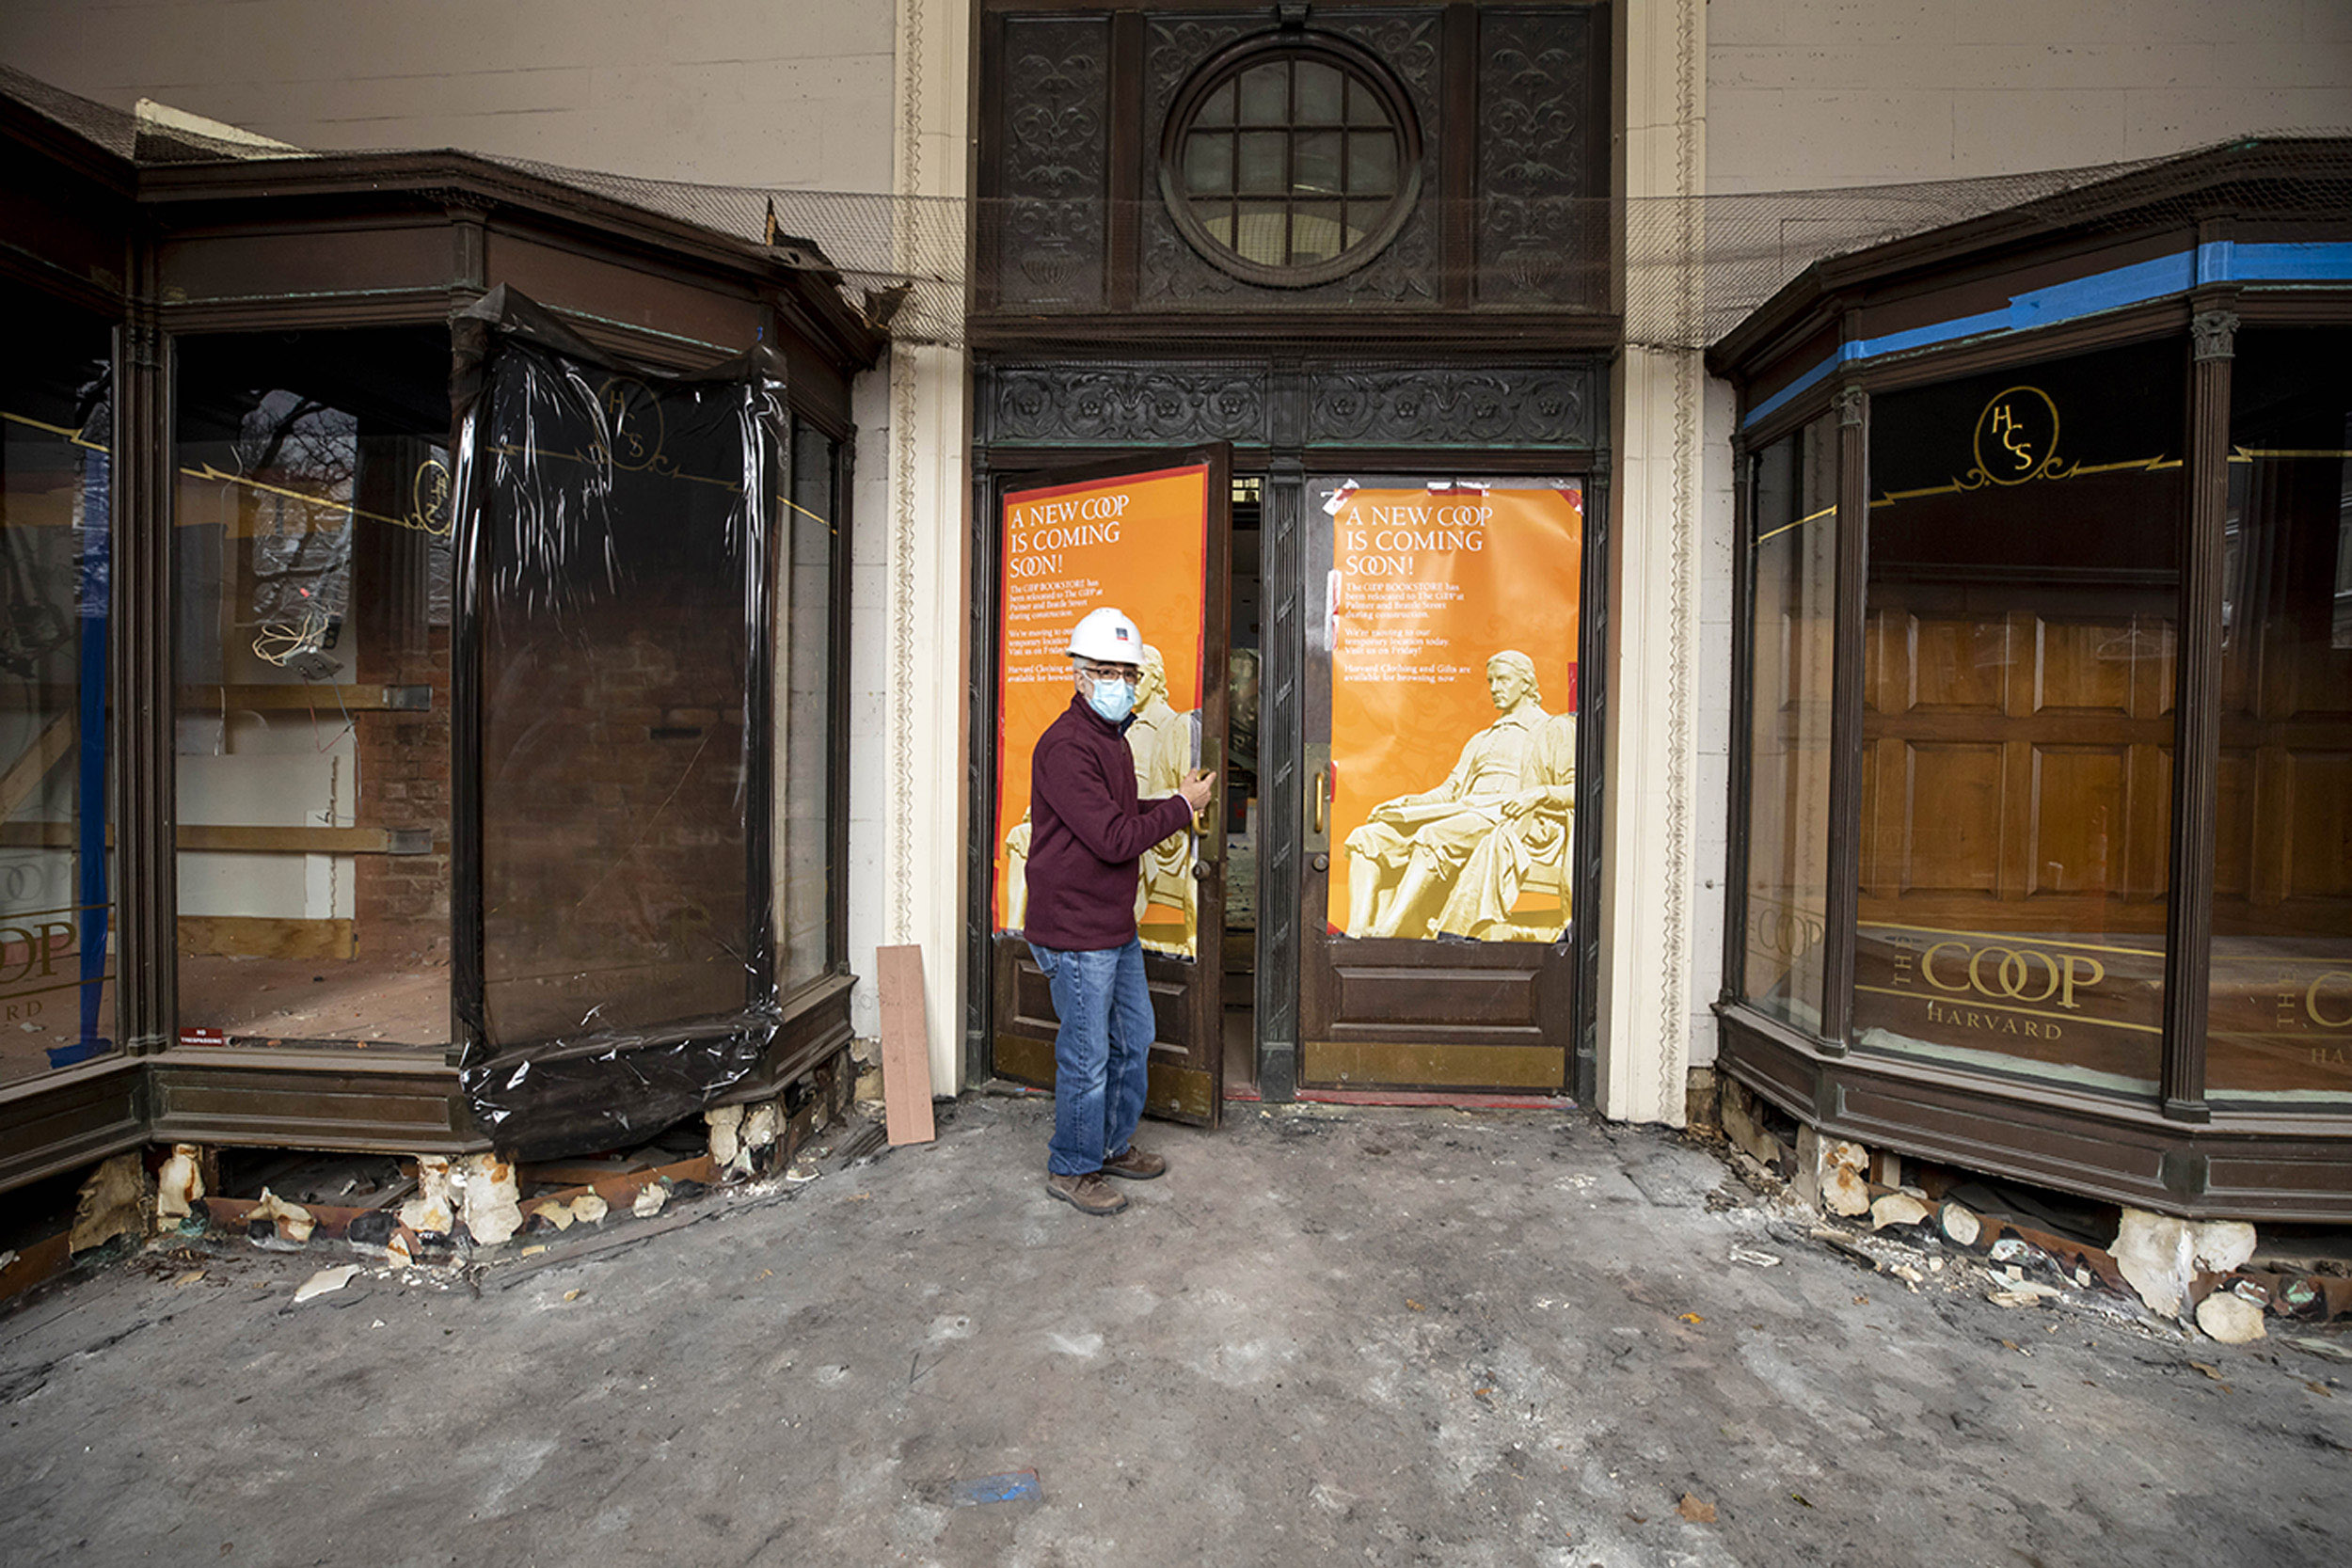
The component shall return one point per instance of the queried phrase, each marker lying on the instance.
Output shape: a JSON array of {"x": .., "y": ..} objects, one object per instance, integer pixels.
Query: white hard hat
[{"x": 1108, "y": 637}]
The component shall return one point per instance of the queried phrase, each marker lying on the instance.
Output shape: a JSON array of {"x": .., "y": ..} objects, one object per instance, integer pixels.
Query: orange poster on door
[
  {"x": 1453, "y": 615},
  {"x": 1138, "y": 543}
]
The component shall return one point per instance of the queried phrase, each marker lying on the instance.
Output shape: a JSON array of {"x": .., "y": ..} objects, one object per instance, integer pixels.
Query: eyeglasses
[{"x": 1108, "y": 671}]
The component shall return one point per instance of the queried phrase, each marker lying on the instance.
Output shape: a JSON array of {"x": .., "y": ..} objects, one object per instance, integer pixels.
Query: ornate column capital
[
  {"x": 2215, "y": 334},
  {"x": 1850, "y": 403}
]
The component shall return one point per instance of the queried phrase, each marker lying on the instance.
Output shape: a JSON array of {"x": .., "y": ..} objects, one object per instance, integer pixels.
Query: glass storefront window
[
  {"x": 56, "y": 980},
  {"x": 2018, "y": 724},
  {"x": 804, "y": 805},
  {"x": 1793, "y": 627},
  {"x": 2280, "y": 1021},
  {"x": 311, "y": 545}
]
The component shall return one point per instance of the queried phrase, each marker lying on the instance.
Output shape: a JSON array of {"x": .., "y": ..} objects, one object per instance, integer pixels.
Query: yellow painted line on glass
[
  {"x": 1975, "y": 1005},
  {"x": 1829, "y": 511},
  {"x": 2006, "y": 937},
  {"x": 74, "y": 436}
]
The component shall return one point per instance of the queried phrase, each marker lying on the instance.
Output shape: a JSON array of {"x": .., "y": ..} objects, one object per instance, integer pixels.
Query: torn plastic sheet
[{"x": 614, "y": 688}]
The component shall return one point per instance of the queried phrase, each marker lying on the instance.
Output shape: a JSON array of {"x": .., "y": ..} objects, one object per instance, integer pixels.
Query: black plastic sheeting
[{"x": 612, "y": 693}]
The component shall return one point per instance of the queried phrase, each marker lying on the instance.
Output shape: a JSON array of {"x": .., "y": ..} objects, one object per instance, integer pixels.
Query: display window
[
  {"x": 2281, "y": 991},
  {"x": 2018, "y": 702},
  {"x": 1792, "y": 644},
  {"x": 56, "y": 899},
  {"x": 311, "y": 551}
]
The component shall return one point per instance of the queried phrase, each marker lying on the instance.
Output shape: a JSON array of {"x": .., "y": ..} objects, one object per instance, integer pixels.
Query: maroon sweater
[{"x": 1088, "y": 832}]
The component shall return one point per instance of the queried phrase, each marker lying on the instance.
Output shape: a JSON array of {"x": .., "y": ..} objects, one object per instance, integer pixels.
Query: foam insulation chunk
[
  {"x": 1897, "y": 1208},
  {"x": 433, "y": 1210},
  {"x": 294, "y": 1222},
  {"x": 725, "y": 1124},
  {"x": 2161, "y": 1256},
  {"x": 1845, "y": 1184},
  {"x": 493, "y": 1209},
  {"x": 2229, "y": 1318},
  {"x": 179, "y": 1185}
]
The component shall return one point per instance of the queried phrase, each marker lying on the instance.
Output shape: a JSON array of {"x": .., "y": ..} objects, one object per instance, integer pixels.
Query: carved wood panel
[
  {"x": 1528, "y": 408},
  {"x": 1045, "y": 231},
  {"x": 1541, "y": 237}
]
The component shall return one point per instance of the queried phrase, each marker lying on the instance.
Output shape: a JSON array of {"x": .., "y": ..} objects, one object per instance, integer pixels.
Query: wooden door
[
  {"x": 1444, "y": 637},
  {"x": 1151, "y": 535}
]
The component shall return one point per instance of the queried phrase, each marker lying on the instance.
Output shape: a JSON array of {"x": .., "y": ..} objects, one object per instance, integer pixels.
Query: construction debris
[
  {"x": 288, "y": 1222},
  {"x": 1898, "y": 1208},
  {"x": 493, "y": 1209},
  {"x": 2229, "y": 1318},
  {"x": 324, "y": 1282},
  {"x": 179, "y": 1184},
  {"x": 432, "y": 1212},
  {"x": 2161, "y": 1256},
  {"x": 113, "y": 1202}
]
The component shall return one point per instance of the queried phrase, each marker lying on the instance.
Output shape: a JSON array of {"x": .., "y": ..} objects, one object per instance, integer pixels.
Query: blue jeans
[{"x": 1103, "y": 1054}]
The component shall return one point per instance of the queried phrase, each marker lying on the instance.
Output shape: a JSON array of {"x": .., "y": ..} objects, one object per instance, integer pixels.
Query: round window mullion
[{"x": 1298, "y": 232}]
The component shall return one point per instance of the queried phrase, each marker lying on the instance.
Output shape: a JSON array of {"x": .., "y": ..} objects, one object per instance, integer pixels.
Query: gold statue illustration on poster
[
  {"x": 1453, "y": 620},
  {"x": 1137, "y": 542},
  {"x": 1454, "y": 858},
  {"x": 1166, "y": 746}
]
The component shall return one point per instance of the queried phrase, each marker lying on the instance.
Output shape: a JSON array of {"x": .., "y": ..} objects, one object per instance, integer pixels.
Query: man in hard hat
[{"x": 1089, "y": 829}]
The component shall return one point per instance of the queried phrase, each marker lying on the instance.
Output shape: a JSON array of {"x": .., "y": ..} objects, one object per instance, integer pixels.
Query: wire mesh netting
[{"x": 1687, "y": 270}]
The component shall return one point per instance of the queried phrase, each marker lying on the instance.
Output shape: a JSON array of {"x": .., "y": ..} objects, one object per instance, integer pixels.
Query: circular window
[{"x": 1291, "y": 161}]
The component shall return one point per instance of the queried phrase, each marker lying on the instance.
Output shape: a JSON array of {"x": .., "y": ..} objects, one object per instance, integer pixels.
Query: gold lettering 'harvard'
[{"x": 1992, "y": 1023}]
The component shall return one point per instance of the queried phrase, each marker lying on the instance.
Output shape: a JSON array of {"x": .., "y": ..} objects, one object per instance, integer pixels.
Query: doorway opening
[{"x": 1244, "y": 828}]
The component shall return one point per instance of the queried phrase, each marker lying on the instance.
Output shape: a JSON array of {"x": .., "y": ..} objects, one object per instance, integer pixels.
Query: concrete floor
[{"x": 1359, "y": 1336}]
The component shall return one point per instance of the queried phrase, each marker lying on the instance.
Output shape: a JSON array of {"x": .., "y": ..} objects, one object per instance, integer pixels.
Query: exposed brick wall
[
  {"x": 613, "y": 819},
  {"x": 403, "y": 901}
]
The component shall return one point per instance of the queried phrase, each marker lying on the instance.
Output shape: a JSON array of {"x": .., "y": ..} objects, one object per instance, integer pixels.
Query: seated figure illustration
[
  {"x": 1017, "y": 874},
  {"x": 1402, "y": 863},
  {"x": 1164, "y": 744},
  {"x": 1528, "y": 848}
]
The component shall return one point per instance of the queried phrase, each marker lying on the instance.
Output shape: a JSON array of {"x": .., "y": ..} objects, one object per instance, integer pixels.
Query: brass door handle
[{"x": 1323, "y": 798}]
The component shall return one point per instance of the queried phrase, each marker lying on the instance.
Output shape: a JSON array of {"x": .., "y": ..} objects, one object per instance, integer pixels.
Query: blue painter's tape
[
  {"x": 1017, "y": 1487},
  {"x": 2312, "y": 262},
  {"x": 2220, "y": 261},
  {"x": 2111, "y": 290},
  {"x": 1794, "y": 389}
]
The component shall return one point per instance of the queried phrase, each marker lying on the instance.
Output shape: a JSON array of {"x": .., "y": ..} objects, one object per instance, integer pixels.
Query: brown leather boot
[
  {"x": 1089, "y": 1193},
  {"x": 1136, "y": 1164}
]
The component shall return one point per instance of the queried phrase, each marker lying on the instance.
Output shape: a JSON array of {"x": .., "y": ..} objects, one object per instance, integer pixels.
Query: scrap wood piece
[
  {"x": 905, "y": 1046},
  {"x": 620, "y": 1190}
]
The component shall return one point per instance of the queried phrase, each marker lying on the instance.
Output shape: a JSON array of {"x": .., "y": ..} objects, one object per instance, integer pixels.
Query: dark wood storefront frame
[
  {"x": 302, "y": 244},
  {"x": 1278, "y": 448},
  {"x": 1117, "y": 332},
  {"x": 2176, "y": 1152}
]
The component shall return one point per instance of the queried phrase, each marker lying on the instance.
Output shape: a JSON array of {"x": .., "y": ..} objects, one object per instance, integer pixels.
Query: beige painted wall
[
  {"x": 749, "y": 92},
  {"x": 1810, "y": 93}
]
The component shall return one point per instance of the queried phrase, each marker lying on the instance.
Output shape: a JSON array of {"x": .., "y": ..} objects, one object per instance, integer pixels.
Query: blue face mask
[{"x": 1113, "y": 700}]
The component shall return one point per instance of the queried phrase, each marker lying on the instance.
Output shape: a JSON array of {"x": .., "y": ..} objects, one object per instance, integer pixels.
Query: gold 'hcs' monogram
[{"x": 2016, "y": 439}]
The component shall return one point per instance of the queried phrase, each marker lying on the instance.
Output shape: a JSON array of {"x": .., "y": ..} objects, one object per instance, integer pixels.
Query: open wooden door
[{"x": 1151, "y": 536}]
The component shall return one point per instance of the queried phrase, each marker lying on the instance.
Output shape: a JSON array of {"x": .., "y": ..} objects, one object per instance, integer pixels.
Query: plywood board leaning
[{"x": 905, "y": 1046}]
